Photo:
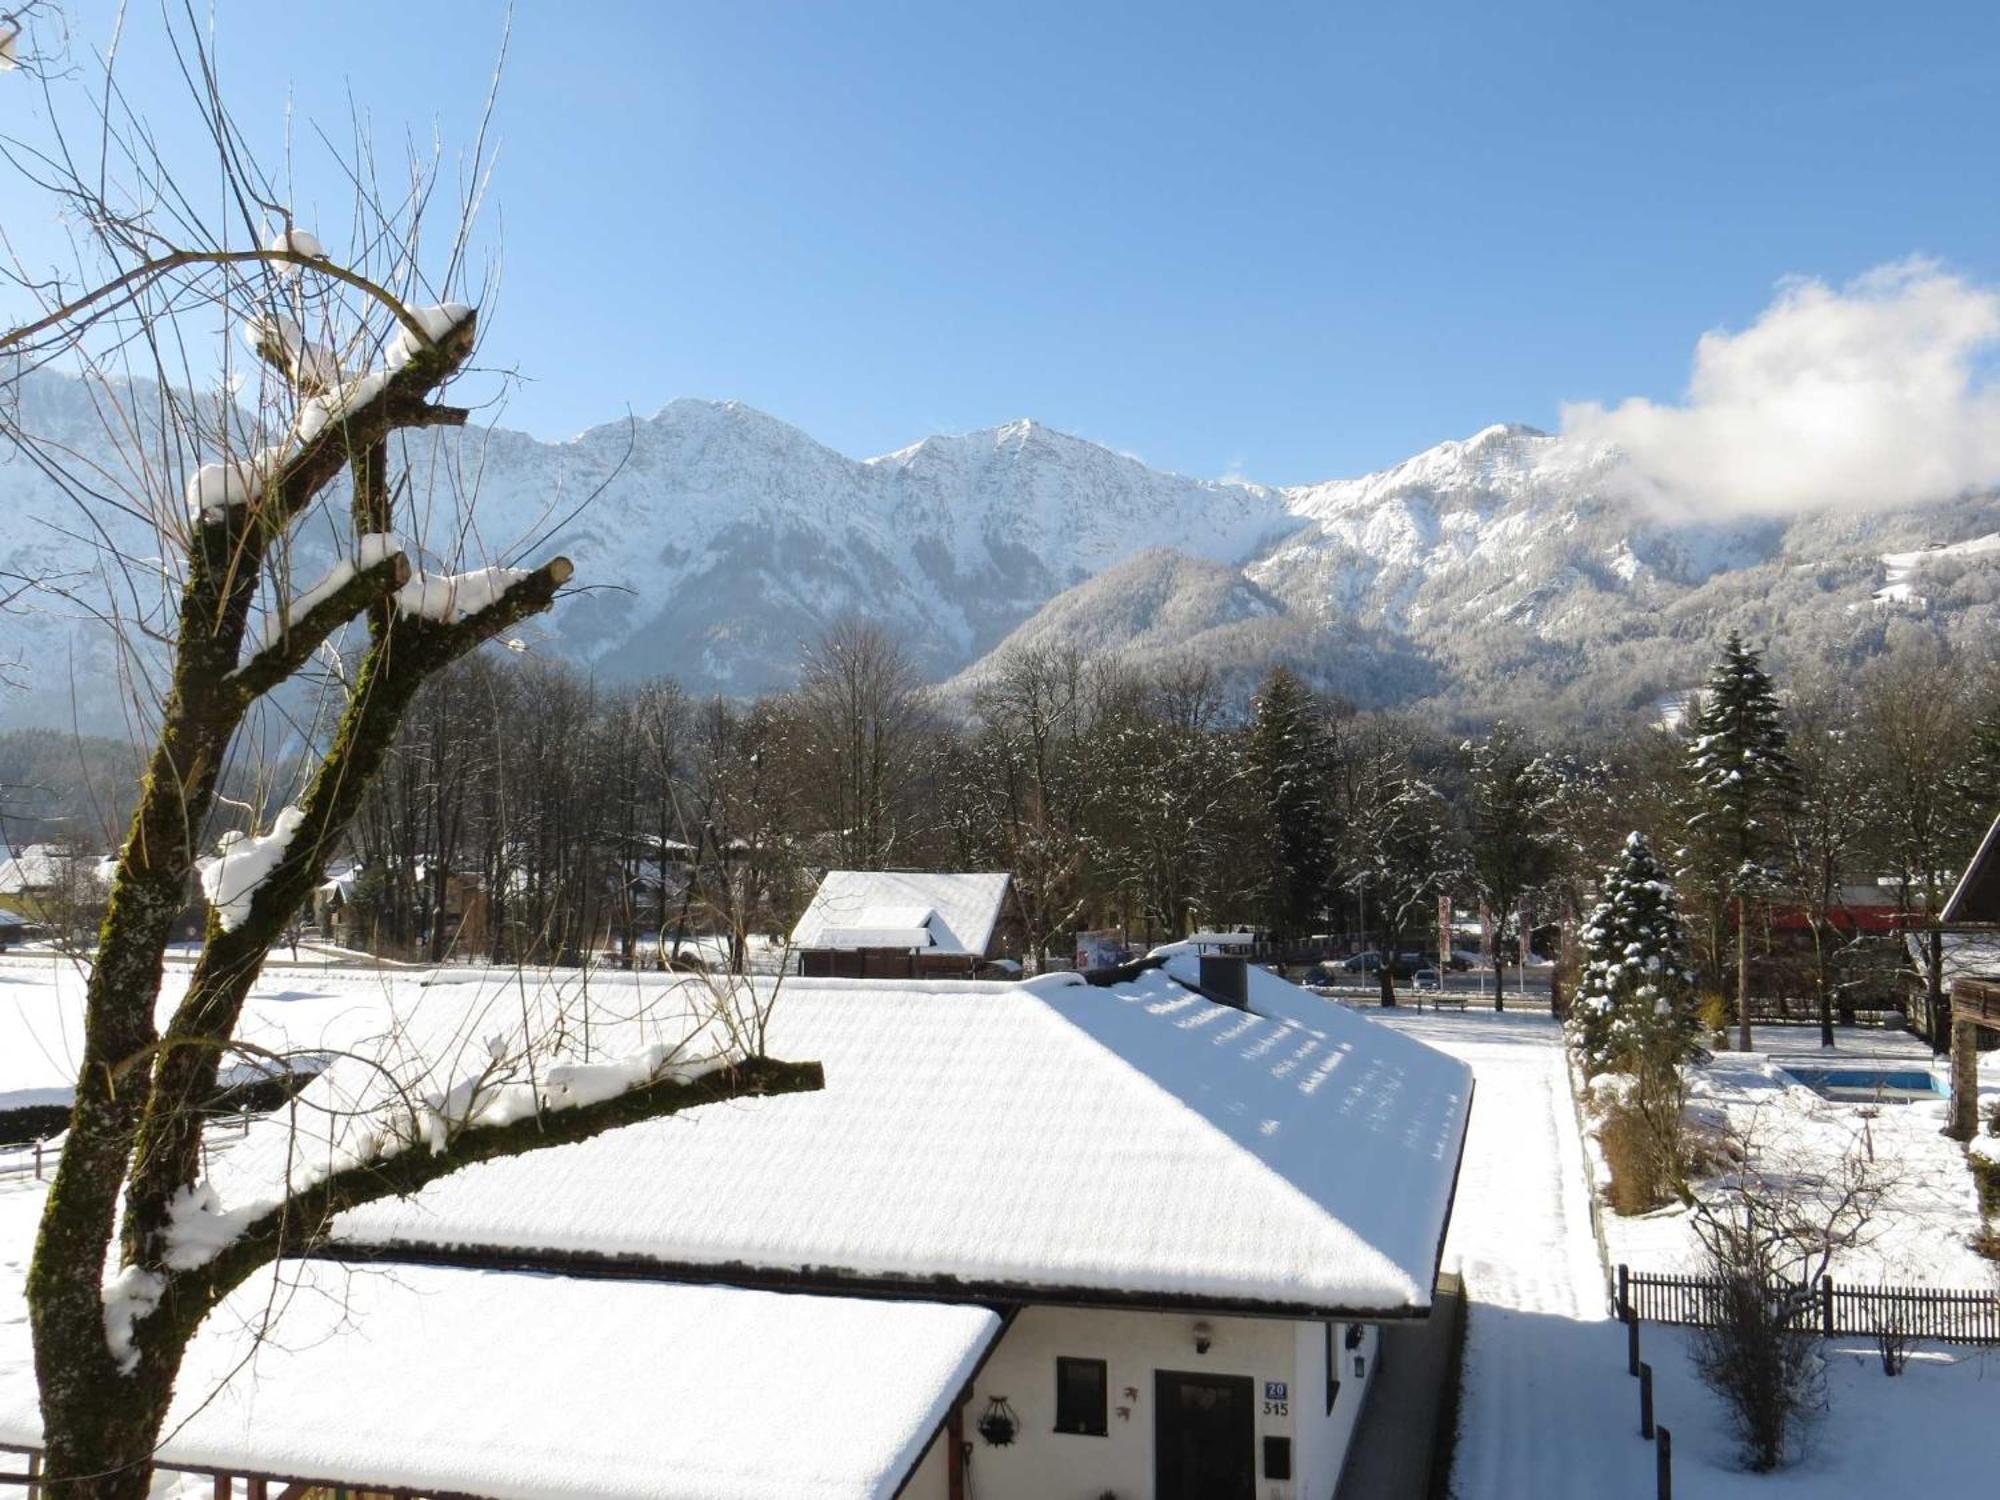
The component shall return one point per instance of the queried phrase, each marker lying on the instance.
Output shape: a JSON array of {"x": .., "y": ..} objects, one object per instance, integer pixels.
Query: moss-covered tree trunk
[{"x": 141, "y": 1092}]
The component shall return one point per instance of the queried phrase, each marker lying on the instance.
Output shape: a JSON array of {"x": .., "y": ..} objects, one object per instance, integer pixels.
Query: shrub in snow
[
  {"x": 1767, "y": 1240},
  {"x": 1761, "y": 1358},
  {"x": 1760, "y": 1352}
]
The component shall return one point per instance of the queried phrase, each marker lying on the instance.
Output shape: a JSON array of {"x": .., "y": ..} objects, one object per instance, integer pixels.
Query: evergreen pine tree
[
  {"x": 1636, "y": 998},
  {"x": 1743, "y": 778},
  {"x": 1288, "y": 757}
]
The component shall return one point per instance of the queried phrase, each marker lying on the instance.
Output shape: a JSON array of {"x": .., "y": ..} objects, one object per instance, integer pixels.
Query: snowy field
[
  {"x": 1548, "y": 1410},
  {"x": 1925, "y": 1230},
  {"x": 1539, "y": 1402}
]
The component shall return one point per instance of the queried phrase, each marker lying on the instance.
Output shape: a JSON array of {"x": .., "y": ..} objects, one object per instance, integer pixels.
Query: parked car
[
  {"x": 1427, "y": 979},
  {"x": 1362, "y": 963}
]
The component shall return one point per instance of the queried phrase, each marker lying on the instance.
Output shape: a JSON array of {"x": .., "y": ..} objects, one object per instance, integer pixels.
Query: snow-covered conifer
[
  {"x": 1287, "y": 746},
  {"x": 1637, "y": 992},
  {"x": 1743, "y": 779}
]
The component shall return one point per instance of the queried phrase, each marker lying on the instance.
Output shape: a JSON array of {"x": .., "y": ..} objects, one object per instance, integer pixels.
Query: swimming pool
[{"x": 1869, "y": 1085}]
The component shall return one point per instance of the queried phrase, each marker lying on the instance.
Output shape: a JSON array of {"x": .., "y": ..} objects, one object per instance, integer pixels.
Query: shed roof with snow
[
  {"x": 935, "y": 912},
  {"x": 534, "y": 1387},
  {"x": 1054, "y": 1141},
  {"x": 1976, "y": 897}
]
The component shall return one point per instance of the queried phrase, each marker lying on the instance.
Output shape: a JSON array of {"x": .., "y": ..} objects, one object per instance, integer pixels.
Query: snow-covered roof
[
  {"x": 1965, "y": 954},
  {"x": 34, "y": 868},
  {"x": 39, "y": 866},
  {"x": 1136, "y": 1143},
  {"x": 1976, "y": 897},
  {"x": 533, "y": 1387},
  {"x": 850, "y": 938},
  {"x": 958, "y": 912}
]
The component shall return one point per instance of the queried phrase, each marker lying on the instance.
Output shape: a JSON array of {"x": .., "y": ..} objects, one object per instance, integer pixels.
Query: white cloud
[{"x": 1868, "y": 396}]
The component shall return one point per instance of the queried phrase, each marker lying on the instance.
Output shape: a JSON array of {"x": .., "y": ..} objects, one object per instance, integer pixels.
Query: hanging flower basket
[{"x": 998, "y": 1424}]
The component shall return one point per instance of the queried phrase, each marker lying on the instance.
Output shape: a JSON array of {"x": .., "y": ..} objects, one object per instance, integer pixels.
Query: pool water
[{"x": 1869, "y": 1085}]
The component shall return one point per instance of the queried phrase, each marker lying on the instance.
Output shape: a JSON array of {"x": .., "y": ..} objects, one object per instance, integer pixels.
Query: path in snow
[{"x": 1548, "y": 1410}]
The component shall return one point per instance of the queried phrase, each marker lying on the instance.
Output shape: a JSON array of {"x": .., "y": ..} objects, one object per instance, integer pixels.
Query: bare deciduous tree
[
  {"x": 354, "y": 352},
  {"x": 861, "y": 704}
]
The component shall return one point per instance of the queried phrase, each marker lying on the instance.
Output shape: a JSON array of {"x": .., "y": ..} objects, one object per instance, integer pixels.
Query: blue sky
[{"x": 1287, "y": 241}]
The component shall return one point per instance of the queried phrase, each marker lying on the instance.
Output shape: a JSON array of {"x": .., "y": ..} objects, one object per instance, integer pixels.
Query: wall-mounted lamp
[
  {"x": 1354, "y": 1335},
  {"x": 1204, "y": 1336}
]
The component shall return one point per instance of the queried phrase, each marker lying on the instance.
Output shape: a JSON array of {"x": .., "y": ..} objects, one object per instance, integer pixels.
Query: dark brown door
[{"x": 1204, "y": 1436}]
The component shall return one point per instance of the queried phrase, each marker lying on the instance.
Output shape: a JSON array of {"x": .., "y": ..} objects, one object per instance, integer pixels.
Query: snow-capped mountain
[{"x": 1501, "y": 573}]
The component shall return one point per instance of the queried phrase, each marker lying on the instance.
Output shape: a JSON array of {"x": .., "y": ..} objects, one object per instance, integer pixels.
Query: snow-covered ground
[
  {"x": 1923, "y": 1232},
  {"x": 1929, "y": 1431},
  {"x": 1541, "y": 1349},
  {"x": 1548, "y": 1410}
]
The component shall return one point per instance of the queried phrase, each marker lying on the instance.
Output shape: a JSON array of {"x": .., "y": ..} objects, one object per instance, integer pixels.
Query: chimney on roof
[{"x": 1226, "y": 977}]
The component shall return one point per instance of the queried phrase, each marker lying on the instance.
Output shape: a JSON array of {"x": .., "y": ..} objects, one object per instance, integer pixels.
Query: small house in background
[
  {"x": 347, "y": 915},
  {"x": 16, "y": 929},
  {"x": 908, "y": 924}
]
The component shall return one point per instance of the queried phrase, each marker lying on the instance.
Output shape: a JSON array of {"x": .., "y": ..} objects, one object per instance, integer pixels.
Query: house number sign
[{"x": 1277, "y": 1399}]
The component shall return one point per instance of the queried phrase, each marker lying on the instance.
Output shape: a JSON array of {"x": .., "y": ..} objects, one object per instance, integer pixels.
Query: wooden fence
[{"x": 1948, "y": 1314}]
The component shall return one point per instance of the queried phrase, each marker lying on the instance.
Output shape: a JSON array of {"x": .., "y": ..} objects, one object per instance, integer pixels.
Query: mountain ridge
[{"x": 1502, "y": 572}]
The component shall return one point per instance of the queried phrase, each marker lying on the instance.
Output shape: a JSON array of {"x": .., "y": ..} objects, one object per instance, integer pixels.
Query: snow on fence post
[
  {"x": 1631, "y": 1342},
  {"x": 1663, "y": 1464},
  {"x": 38, "y": 1158},
  {"x": 1645, "y": 1401}
]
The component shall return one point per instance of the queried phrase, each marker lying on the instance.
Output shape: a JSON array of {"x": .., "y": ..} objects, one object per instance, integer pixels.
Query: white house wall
[
  {"x": 1320, "y": 1437},
  {"x": 1043, "y": 1464}
]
